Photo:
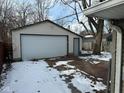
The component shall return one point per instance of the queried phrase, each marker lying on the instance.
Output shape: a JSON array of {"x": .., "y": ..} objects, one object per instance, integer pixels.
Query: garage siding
[{"x": 46, "y": 28}]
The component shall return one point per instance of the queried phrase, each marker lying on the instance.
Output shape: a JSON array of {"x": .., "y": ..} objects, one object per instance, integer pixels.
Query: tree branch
[
  {"x": 91, "y": 27},
  {"x": 84, "y": 3},
  {"x": 76, "y": 13},
  {"x": 93, "y": 22}
]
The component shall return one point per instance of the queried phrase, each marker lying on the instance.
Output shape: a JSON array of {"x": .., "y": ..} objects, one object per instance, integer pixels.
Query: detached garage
[{"x": 44, "y": 40}]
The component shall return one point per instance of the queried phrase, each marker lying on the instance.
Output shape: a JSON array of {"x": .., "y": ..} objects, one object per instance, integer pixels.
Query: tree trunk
[{"x": 98, "y": 38}]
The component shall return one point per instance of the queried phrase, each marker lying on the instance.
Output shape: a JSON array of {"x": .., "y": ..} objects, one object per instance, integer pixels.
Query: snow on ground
[
  {"x": 62, "y": 63},
  {"x": 67, "y": 72},
  {"x": 105, "y": 56},
  {"x": 38, "y": 77},
  {"x": 33, "y": 77},
  {"x": 65, "y": 63},
  {"x": 85, "y": 85},
  {"x": 96, "y": 62},
  {"x": 86, "y": 52},
  {"x": 81, "y": 82}
]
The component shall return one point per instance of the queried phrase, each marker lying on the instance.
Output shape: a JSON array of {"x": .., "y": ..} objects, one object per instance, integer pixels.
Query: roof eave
[{"x": 19, "y": 28}]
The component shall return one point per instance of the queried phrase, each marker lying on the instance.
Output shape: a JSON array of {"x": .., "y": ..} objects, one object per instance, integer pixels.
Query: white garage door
[{"x": 38, "y": 46}]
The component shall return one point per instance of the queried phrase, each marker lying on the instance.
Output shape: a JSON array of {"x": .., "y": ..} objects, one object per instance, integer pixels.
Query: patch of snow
[
  {"x": 4, "y": 66},
  {"x": 33, "y": 77},
  {"x": 99, "y": 79},
  {"x": 96, "y": 62},
  {"x": 63, "y": 78},
  {"x": 67, "y": 72},
  {"x": 65, "y": 63},
  {"x": 86, "y": 52},
  {"x": 69, "y": 66},
  {"x": 62, "y": 63},
  {"x": 105, "y": 56},
  {"x": 82, "y": 72},
  {"x": 88, "y": 36},
  {"x": 86, "y": 85}
]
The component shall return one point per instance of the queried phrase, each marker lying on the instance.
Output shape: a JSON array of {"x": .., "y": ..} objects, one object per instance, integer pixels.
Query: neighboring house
[
  {"x": 44, "y": 40},
  {"x": 113, "y": 10},
  {"x": 89, "y": 40}
]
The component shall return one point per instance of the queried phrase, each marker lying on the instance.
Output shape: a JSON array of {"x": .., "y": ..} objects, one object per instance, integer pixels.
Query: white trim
[
  {"x": 102, "y": 6},
  {"x": 118, "y": 62},
  {"x": 123, "y": 74},
  {"x": 118, "y": 59}
]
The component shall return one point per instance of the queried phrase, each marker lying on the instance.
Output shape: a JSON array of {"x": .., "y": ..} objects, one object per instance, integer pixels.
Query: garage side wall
[{"x": 42, "y": 29}]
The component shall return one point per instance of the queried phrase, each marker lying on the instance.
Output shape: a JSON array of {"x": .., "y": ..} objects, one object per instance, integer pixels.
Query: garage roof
[{"x": 45, "y": 22}]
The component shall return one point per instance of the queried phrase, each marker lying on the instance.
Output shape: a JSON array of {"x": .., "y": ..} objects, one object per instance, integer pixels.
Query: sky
[{"x": 60, "y": 10}]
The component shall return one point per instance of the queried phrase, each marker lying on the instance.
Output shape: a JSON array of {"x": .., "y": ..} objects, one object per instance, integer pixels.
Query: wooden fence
[
  {"x": 5, "y": 45},
  {"x": 1, "y": 55},
  {"x": 87, "y": 44}
]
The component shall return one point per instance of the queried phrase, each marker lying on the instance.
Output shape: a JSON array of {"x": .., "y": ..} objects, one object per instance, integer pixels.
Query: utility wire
[{"x": 66, "y": 16}]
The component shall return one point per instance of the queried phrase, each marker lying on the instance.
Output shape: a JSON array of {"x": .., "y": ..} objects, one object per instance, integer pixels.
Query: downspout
[{"x": 118, "y": 62}]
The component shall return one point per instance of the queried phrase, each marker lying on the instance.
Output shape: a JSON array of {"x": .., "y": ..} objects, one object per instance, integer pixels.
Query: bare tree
[
  {"x": 96, "y": 23},
  {"x": 42, "y": 8},
  {"x": 61, "y": 22},
  {"x": 99, "y": 25},
  {"x": 76, "y": 7},
  {"x": 7, "y": 22},
  {"x": 6, "y": 17},
  {"x": 23, "y": 12}
]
